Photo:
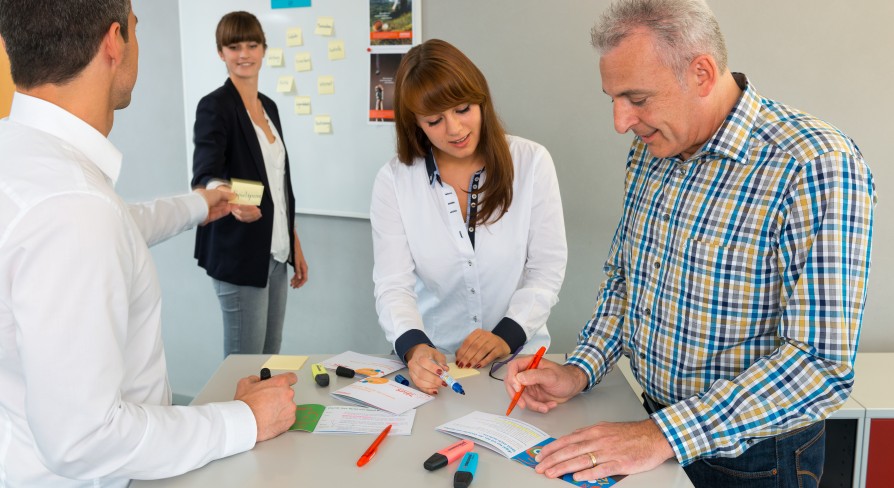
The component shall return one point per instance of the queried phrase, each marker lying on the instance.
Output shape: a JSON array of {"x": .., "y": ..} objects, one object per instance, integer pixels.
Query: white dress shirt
[
  {"x": 428, "y": 276},
  {"x": 274, "y": 154},
  {"x": 85, "y": 399}
]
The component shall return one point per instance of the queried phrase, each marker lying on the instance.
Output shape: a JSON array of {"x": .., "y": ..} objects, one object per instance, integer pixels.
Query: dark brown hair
[
  {"x": 51, "y": 42},
  {"x": 239, "y": 27},
  {"x": 436, "y": 76}
]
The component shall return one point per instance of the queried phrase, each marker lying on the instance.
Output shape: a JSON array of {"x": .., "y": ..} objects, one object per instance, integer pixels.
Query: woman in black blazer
[{"x": 238, "y": 135}]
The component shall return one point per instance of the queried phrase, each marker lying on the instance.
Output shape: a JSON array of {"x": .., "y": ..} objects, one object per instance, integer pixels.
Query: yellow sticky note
[
  {"x": 284, "y": 84},
  {"x": 456, "y": 372},
  {"x": 247, "y": 192},
  {"x": 336, "y": 50},
  {"x": 325, "y": 25},
  {"x": 302, "y": 105},
  {"x": 294, "y": 37},
  {"x": 281, "y": 362},
  {"x": 323, "y": 124},
  {"x": 274, "y": 57},
  {"x": 302, "y": 62},
  {"x": 326, "y": 85}
]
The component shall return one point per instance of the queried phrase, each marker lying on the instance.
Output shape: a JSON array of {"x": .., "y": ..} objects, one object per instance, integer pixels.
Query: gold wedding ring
[{"x": 592, "y": 459}]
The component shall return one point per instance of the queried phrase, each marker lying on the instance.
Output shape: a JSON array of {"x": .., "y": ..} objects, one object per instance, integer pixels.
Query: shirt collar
[
  {"x": 731, "y": 139},
  {"x": 56, "y": 121},
  {"x": 431, "y": 167}
]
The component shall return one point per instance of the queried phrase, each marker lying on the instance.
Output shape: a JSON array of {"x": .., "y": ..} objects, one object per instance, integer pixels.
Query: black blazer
[{"x": 227, "y": 147}]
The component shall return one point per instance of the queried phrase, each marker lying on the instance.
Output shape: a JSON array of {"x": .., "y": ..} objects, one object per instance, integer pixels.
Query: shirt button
[
  {"x": 657, "y": 265},
  {"x": 474, "y": 197},
  {"x": 475, "y": 318},
  {"x": 642, "y": 355},
  {"x": 473, "y": 291},
  {"x": 470, "y": 262},
  {"x": 666, "y": 217},
  {"x": 647, "y": 312},
  {"x": 473, "y": 204},
  {"x": 680, "y": 172}
]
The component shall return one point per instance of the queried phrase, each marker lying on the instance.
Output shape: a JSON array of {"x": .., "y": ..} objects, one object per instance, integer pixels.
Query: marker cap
[
  {"x": 448, "y": 454},
  {"x": 344, "y": 372}
]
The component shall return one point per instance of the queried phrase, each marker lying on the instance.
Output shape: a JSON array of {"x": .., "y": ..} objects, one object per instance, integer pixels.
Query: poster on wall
[
  {"x": 390, "y": 22},
  {"x": 382, "y": 71},
  {"x": 289, "y": 3}
]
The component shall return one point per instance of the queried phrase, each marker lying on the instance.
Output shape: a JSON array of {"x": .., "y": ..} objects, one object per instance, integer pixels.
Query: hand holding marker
[{"x": 452, "y": 383}]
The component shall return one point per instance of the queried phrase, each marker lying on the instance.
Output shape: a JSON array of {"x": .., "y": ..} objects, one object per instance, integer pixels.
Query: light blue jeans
[{"x": 253, "y": 317}]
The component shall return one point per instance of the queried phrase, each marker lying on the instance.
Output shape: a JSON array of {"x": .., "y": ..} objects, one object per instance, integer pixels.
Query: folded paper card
[
  {"x": 349, "y": 419},
  {"x": 384, "y": 394},
  {"x": 513, "y": 438},
  {"x": 247, "y": 192}
]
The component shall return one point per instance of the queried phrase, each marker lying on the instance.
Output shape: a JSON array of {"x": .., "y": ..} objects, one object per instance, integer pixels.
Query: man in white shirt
[{"x": 85, "y": 399}]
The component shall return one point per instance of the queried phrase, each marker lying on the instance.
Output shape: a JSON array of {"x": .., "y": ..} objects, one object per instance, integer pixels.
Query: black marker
[
  {"x": 265, "y": 374},
  {"x": 344, "y": 372}
]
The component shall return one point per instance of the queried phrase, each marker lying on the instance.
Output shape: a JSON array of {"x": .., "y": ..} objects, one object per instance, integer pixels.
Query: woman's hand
[
  {"x": 426, "y": 364},
  {"x": 480, "y": 349}
]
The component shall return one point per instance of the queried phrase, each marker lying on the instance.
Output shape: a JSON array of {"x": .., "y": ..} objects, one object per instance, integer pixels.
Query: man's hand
[
  {"x": 480, "y": 349},
  {"x": 617, "y": 448},
  {"x": 271, "y": 402},
  {"x": 426, "y": 363},
  {"x": 545, "y": 387},
  {"x": 218, "y": 201}
]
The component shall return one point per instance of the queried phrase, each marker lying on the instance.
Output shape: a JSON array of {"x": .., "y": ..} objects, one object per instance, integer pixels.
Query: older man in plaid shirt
[{"x": 736, "y": 278}]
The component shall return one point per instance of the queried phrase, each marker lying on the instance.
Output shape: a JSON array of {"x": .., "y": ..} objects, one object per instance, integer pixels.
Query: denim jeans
[
  {"x": 253, "y": 317},
  {"x": 790, "y": 460}
]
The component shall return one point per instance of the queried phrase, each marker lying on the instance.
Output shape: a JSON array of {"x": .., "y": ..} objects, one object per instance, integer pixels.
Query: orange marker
[
  {"x": 534, "y": 363},
  {"x": 373, "y": 448}
]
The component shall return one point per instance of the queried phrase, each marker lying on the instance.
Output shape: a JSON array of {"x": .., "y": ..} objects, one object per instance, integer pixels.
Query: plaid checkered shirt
[{"x": 736, "y": 279}]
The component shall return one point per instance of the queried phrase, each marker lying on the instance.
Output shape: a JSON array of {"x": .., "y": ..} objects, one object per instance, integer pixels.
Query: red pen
[
  {"x": 373, "y": 448},
  {"x": 534, "y": 363}
]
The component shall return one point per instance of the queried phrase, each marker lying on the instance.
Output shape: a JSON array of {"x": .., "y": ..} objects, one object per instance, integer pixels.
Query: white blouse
[{"x": 428, "y": 276}]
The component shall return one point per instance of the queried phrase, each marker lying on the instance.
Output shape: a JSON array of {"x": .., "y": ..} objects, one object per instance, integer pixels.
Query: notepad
[
  {"x": 350, "y": 419},
  {"x": 513, "y": 438},
  {"x": 383, "y": 394},
  {"x": 456, "y": 372},
  {"x": 280, "y": 362},
  {"x": 247, "y": 192}
]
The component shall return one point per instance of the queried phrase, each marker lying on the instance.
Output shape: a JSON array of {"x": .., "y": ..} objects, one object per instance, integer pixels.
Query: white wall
[{"x": 828, "y": 58}]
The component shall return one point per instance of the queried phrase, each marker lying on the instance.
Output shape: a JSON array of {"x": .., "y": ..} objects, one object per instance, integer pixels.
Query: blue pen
[
  {"x": 452, "y": 383},
  {"x": 400, "y": 379},
  {"x": 466, "y": 471}
]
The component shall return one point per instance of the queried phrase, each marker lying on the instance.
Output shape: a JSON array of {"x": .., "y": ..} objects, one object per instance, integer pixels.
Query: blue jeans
[
  {"x": 790, "y": 460},
  {"x": 253, "y": 317}
]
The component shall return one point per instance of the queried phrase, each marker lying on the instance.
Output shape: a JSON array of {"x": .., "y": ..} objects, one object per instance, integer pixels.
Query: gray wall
[{"x": 828, "y": 58}]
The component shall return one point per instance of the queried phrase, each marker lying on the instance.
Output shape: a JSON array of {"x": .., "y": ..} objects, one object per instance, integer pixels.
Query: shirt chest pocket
[{"x": 729, "y": 293}]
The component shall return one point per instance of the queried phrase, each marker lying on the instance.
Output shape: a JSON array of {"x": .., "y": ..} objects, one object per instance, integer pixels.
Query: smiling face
[
  {"x": 454, "y": 133},
  {"x": 649, "y": 100},
  {"x": 243, "y": 59}
]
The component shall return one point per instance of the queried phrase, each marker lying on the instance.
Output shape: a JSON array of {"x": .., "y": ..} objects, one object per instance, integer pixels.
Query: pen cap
[
  {"x": 321, "y": 376},
  {"x": 466, "y": 471},
  {"x": 344, "y": 372}
]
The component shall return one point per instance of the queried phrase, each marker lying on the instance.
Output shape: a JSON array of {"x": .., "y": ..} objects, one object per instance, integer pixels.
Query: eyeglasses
[{"x": 496, "y": 365}]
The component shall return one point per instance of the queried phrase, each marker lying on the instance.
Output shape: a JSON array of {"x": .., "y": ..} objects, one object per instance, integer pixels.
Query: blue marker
[
  {"x": 400, "y": 379},
  {"x": 466, "y": 471},
  {"x": 452, "y": 383}
]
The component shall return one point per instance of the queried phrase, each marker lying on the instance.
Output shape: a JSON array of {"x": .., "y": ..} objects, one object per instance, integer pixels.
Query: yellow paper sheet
[
  {"x": 274, "y": 57},
  {"x": 302, "y": 106},
  {"x": 247, "y": 192},
  {"x": 281, "y": 362},
  {"x": 302, "y": 62},
  {"x": 323, "y": 124},
  {"x": 336, "y": 50},
  {"x": 326, "y": 85},
  {"x": 294, "y": 37},
  {"x": 284, "y": 84},
  {"x": 456, "y": 372},
  {"x": 324, "y": 26}
]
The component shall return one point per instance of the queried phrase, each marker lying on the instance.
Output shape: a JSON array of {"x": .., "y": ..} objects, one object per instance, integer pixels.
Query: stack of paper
[{"x": 384, "y": 394}]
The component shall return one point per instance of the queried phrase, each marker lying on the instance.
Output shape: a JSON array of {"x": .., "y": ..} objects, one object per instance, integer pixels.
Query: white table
[{"x": 301, "y": 459}]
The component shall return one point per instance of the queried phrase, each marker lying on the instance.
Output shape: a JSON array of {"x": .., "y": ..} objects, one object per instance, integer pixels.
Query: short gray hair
[{"x": 683, "y": 29}]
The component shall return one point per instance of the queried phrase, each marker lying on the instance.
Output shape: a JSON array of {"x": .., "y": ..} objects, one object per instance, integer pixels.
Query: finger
[
  {"x": 573, "y": 464},
  {"x": 477, "y": 350},
  {"x": 463, "y": 352},
  {"x": 490, "y": 357},
  {"x": 602, "y": 470}
]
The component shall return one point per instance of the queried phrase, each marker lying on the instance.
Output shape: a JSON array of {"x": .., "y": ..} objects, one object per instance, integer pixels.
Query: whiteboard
[{"x": 332, "y": 174}]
